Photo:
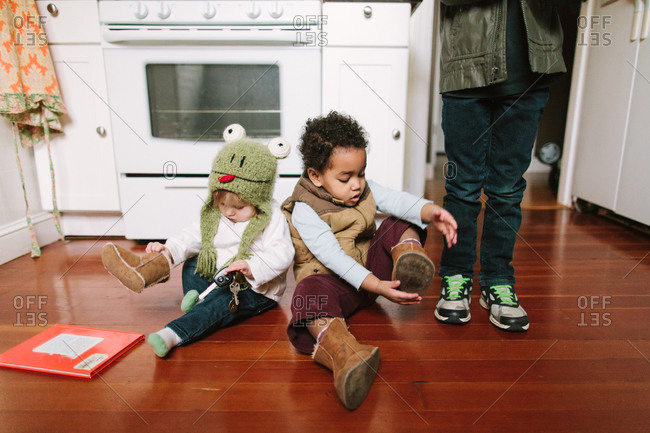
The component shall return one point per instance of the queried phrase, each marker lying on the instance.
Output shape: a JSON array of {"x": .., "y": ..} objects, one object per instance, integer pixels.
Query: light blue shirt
[{"x": 322, "y": 243}]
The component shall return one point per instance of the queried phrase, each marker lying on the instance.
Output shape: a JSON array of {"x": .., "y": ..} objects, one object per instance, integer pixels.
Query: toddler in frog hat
[{"x": 241, "y": 230}]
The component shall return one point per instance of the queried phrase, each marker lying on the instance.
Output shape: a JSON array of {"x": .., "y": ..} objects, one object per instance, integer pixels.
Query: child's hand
[
  {"x": 445, "y": 223},
  {"x": 155, "y": 247},
  {"x": 240, "y": 266},
  {"x": 388, "y": 289}
]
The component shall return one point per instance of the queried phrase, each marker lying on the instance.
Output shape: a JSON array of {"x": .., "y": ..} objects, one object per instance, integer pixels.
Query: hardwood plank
[{"x": 567, "y": 373}]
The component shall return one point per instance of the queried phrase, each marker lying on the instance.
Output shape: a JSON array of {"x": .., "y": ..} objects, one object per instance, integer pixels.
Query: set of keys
[
  {"x": 234, "y": 302},
  {"x": 221, "y": 281}
]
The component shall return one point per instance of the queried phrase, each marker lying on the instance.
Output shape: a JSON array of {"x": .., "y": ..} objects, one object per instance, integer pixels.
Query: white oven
[{"x": 179, "y": 72}]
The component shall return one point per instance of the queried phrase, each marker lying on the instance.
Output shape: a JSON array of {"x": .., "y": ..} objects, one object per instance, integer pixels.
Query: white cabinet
[
  {"x": 83, "y": 160},
  {"x": 612, "y": 147},
  {"x": 633, "y": 198},
  {"x": 365, "y": 75}
]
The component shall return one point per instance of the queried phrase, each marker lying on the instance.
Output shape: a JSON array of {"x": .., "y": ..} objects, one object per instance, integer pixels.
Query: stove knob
[
  {"x": 209, "y": 11},
  {"x": 253, "y": 11},
  {"x": 141, "y": 11},
  {"x": 276, "y": 10},
  {"x": 164, "y": 12}
]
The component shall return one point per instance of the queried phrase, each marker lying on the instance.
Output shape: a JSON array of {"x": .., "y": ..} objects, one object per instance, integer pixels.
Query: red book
[{"x": 70, "y": 350}]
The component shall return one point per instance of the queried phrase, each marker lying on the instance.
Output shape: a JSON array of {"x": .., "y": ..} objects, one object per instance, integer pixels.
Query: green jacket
[{"x": 473, "y": 35}]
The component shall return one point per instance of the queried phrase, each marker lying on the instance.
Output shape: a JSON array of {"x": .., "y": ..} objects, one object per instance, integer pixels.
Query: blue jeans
[
  {"x": 489, "y": 144},
  {"x": 212, "y": 314}
]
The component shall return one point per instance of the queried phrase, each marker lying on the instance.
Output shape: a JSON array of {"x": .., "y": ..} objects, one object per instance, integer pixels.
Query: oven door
[{"x": 170, "y": 104}]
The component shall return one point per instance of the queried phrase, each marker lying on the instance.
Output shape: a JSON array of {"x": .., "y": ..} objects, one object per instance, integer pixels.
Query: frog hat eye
[
  {"x": 279, "y": 147},
  {"x": 234, "y": 132}
]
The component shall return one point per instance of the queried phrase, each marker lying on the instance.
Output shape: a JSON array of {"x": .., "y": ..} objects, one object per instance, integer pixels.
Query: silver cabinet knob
[
  {"x": 52, "y": 9},
  {"x": 141, "y": 11},
  {"x": 209, "y": 11},
  {"x": 253, "y": 10},
  {"x": 396, "y": 134},
  {"x": 276, "y": 10},
  {"x": 101, "y": 131},
  {"x": 164, "y": 12},
  {"x": 367, "y": 11}
]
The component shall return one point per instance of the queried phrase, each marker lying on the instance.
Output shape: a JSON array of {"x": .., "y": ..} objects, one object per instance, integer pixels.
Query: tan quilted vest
[{"x": 354, "y": 227}]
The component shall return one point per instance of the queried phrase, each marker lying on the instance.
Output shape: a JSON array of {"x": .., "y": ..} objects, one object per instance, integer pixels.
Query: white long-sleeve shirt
[
  {"x": 322, "y": 243},
  {"x": 271, "y": 250}
]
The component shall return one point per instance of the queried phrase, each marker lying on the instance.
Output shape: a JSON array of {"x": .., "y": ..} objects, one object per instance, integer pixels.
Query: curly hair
[{"x": 325, "y": 133}]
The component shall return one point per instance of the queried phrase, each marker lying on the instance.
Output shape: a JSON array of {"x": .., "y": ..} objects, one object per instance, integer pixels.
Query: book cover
[{"x": 70, "y": 350}]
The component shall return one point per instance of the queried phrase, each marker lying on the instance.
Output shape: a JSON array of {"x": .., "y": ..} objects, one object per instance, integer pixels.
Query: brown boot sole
[
  {"x": 414, "y": 271},
  {"x": 358, "y": 381}
]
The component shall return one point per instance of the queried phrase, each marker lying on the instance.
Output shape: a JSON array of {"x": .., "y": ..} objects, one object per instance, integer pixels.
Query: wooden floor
[{"x": 583, "y": 365}]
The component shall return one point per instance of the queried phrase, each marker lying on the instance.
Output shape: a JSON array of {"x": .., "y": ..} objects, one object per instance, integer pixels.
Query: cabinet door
[
  {"x": 69, "y": 21},
  {"x": 633, "y": 198},
  {"x": 82, "y": 156},
  {"x": 370, "y": 85},
  {"x": 605, "y": 104}
]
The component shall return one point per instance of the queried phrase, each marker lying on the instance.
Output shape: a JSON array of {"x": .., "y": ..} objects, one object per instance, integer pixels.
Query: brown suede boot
[
  {"x": 354, "y": 365},
  {"x": 136, "y": 272},
  {"x": 412, "y": 267}
]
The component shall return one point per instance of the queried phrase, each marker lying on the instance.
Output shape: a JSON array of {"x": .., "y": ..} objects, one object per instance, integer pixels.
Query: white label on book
[
  {"x": 72, "y": 346},
  {"x": 91, "y": 362}
]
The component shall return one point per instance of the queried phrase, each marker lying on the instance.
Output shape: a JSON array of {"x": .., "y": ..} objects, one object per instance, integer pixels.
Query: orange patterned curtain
[{"x": 29, "y": 92}]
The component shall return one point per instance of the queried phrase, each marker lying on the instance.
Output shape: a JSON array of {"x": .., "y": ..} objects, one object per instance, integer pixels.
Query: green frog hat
[{"x": 248, "y": 169}]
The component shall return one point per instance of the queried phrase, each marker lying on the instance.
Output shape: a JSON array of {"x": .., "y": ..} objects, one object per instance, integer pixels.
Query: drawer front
[
  {"x": 69, "y": 21},
  {"x": 366, "y": 24},
  {"x": 157, "y": 208}
]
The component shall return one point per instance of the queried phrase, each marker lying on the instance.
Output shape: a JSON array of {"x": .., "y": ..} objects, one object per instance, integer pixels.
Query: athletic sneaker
[
  {"x": 505, "y": 311},
  {"x": 453, "y": 306}
]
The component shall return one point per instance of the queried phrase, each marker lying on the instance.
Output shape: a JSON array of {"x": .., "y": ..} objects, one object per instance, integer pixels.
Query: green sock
[{"x": 163, "y": 341}]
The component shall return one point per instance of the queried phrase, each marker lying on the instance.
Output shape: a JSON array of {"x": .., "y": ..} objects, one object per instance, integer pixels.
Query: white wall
[
  {"x": 419, "y": 97},
  {"x": 12, "y": 204},
  {"x": 14, "y": 236}
]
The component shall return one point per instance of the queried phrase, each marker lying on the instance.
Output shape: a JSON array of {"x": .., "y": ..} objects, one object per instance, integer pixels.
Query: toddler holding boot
[
  {"x": 343, "y": 263},
  {"x": 241, "y": 231}
]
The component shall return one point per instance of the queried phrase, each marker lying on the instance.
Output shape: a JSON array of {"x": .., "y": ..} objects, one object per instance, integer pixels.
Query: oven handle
[{"x": 283, "y": 37}]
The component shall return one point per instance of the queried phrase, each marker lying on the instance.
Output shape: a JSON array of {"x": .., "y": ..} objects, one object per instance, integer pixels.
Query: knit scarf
[{"x": 206, "y": 265}]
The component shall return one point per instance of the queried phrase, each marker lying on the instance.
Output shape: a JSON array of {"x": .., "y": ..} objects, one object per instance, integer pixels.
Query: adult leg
[
  {"x": 513, "y": 135},
  {"x": 466, "y": 124}
]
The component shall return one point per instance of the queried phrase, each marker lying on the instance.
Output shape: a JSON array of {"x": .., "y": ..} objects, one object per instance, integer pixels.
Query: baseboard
[
  {"x": 15, "y": 240},
  {"x": 94, "y": 224}
]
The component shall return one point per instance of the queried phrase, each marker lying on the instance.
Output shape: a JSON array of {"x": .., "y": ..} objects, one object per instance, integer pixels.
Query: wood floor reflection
[{"x": 583, "y": 365}]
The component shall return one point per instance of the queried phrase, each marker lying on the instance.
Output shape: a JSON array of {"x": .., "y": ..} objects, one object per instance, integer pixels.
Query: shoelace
[
  {"x": 504, "y": 294},
  {"x": 455, "y": 287}
]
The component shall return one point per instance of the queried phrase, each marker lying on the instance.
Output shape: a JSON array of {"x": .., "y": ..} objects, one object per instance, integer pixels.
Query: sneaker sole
[
  {"x": 495, "y": 322},
  {"x": 452, "y": 320}
]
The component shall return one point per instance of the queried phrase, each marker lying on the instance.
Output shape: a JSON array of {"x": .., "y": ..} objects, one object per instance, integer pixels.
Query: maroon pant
[{"x": 328, "y": 295}]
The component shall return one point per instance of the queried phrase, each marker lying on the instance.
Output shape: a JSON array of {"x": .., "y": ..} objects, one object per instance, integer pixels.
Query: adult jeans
[
  {"x": 213, "y": 313},
  {"x": 489, "y": 144}
]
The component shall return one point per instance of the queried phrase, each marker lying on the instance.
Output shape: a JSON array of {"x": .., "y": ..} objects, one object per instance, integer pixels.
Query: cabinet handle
[
  {"x": 645, "y": 29},
  {"x": 101, "y": 131},
  {"x": 396, "y": 134},
  {"x": 52, "y": 9},
  {"x": 367, "y": 12},
  {"x": 638, "y": 4}
]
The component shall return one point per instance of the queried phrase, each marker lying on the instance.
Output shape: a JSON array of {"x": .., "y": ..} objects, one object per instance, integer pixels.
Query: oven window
[{"x": 197, "y": 102}]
